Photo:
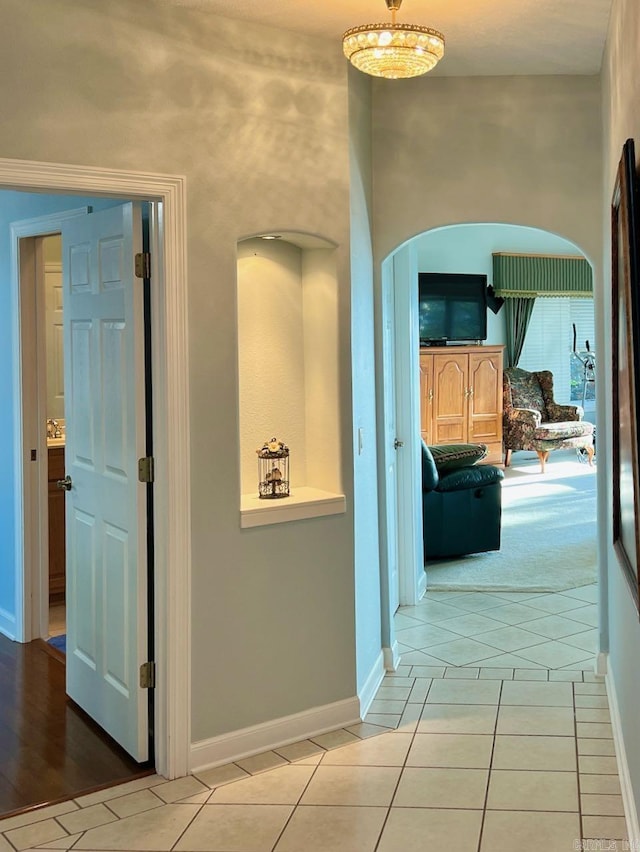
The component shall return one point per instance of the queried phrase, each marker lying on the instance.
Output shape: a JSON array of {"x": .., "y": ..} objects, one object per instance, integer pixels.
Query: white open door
[
  {"x": 390, "y": 437},
  {"x": 106, "y": 504}
]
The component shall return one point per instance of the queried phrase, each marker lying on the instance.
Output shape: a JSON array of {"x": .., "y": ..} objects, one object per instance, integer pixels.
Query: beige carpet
[{"x": 548, "y": 532}]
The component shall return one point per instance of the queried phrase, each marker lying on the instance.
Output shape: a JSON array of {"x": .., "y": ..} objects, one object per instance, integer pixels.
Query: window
[{"x": 549, "y": 345}]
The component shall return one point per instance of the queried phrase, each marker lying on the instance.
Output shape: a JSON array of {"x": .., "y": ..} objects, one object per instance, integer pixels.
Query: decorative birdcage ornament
[{"x": 273, "y": 470}]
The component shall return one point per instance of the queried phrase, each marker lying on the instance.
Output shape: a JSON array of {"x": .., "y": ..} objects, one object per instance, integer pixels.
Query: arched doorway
[{"x": 456, "y": 248}]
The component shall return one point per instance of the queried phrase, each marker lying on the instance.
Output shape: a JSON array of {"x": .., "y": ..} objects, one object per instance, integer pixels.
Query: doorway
[
  {"x": 459, "y": 247},
  {"x": 91, "y": 353},
  {"x": 51, "y": 374},
  {"x": 468, "y": 249},
  {"x": 171, "y": 417}
]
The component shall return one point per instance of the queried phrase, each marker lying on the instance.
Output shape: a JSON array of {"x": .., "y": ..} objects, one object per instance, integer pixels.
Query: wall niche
[{"x": 288, "y": 373}]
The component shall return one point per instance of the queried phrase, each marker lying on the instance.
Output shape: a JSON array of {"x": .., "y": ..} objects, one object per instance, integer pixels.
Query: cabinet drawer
[{"x": 56, "y": 463}]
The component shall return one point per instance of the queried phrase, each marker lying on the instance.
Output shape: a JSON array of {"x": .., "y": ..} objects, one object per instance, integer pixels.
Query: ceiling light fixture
[{"x": 393, "y": 50}]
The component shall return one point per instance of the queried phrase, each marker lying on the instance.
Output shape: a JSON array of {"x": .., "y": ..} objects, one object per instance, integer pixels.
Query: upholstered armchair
[{"x": 533, "y": 420}]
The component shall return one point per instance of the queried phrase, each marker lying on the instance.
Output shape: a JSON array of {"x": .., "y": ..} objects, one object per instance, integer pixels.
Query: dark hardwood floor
[{"x": 49, "y": 748}]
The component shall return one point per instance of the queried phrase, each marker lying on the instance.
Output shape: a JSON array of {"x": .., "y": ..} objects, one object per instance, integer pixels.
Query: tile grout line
[
  {"x": 575, "y": 730},
  {"x": 404, "y": 765},
  {"x": 493, "y": 748},
  {"x": 187, "y": 827},
  {"x": 297, "y": 804}
]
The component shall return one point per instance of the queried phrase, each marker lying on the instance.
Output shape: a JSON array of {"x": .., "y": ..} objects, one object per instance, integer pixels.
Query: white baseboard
[
  {"x": 373, "y": 681},
  {"x": 628, "y": 799},
  {"x": 601, "y": 663},
  {"x": 7, "y": 624},
  {"x": 391, "y": 657},
  {"x": 246, "y": 742}
]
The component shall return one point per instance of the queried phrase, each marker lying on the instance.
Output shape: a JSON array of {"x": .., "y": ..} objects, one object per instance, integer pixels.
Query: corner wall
[
  {"x": 256, "y": 119},
  {"x": 367, "y": 553}
]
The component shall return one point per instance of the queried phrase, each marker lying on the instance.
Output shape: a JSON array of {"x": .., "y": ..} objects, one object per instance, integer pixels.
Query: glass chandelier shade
[{"x": 393, "y": 50}]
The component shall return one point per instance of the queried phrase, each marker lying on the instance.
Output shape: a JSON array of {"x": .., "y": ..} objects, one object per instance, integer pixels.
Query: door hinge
[
  {"x": 146, "y": 469},
  {"x": 148, "y": 675},
  {"x": 143, "y": 264}
]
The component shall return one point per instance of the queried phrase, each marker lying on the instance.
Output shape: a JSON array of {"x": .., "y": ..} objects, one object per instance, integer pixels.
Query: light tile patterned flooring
[{"x": 493, "y": 736}]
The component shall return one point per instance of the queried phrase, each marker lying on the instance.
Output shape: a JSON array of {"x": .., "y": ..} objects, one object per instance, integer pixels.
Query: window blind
[{"x": 549, "y": 343}]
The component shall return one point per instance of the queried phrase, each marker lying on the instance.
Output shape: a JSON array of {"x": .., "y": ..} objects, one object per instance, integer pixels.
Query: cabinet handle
[{"x": 430, "y": 395}]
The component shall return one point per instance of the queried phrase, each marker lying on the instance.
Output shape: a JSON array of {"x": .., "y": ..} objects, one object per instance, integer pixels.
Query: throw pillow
[{"x": 452, "y": 456}]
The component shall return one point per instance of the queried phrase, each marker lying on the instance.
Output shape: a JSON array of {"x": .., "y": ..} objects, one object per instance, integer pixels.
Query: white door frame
[
  {"x": 32, "y": 547},
  {"x": 170, "y": 371},
  {"x": 387, "y": 490},
  {"x": 398, "y": 271}
]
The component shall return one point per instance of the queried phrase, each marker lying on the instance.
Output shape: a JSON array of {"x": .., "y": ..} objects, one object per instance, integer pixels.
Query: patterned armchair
[{"x": 532, "y": 420}]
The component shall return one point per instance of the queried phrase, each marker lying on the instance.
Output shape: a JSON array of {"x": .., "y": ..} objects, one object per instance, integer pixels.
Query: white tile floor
[
  {"x": 492, "y": 736},
  {"x": 501, "y": 629}
]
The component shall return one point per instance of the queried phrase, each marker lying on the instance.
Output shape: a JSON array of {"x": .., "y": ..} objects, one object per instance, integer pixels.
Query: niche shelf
[
  {"x": 288, "y": 373},
  {"x": 303, "y": 503}
]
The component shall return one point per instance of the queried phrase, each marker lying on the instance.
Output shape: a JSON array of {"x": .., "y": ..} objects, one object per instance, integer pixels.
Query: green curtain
[
  {"x": 520, "y": 278},
  {"x": 534, "y": 275},
  {"x": 518, "y": 315}
]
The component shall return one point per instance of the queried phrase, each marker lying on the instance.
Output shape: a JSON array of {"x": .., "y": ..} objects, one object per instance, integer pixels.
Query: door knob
[
  {"x": 397, "y": 444},
  {"x": 65, "y": 484}
]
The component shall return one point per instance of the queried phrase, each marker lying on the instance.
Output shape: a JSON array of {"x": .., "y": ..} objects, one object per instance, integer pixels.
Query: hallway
[{"x": 476, "y": 758}]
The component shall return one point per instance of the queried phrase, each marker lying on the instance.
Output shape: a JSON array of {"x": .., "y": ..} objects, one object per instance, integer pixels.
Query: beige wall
[
  {"x": 287, "y": 356},
  {"x": 621, "y": 119},
  {"x": 52, "y": 257},
  {"x": 271, "y": 355},
  {"x": 257, "y": 121},
  {"x": 52, "y": 249},
  {"x": 513, "y": 150}
]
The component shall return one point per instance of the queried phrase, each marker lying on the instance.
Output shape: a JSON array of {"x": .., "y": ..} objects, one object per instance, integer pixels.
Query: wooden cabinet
[
  {"x": 461, "y": 396},
  {"x": 57, "y": 553}
]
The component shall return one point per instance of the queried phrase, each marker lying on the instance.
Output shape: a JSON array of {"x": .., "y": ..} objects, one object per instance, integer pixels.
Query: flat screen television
[{"x": 452, "y": 307}]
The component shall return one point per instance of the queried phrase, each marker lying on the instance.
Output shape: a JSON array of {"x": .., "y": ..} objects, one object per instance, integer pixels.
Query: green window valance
[{"x": 530, "y": 275}]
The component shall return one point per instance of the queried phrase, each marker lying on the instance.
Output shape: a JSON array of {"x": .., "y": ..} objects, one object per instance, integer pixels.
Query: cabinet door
[
  {"x": 450, "y": 385},
  {"x": 426, "y": 397},
  {"x": 485, "y": 399},
  {"x": 56, "y": 526}
]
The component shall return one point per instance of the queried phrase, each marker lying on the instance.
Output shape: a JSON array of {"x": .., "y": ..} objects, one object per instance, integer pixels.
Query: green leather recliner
[{"x": 461, "y": 508}]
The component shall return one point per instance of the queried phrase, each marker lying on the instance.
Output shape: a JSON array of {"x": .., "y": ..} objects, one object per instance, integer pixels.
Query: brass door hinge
[
  {"x": 143, "y": 265},
  {"x": 148, "y": 675},
  {"x": 146, "y": 469}
]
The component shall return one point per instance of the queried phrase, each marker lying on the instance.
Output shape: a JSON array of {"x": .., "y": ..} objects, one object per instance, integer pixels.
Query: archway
[{"x": 464, "y": 247}]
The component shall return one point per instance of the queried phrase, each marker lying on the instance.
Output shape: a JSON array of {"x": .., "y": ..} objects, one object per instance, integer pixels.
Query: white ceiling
[{"x": 483, "y": 37}]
